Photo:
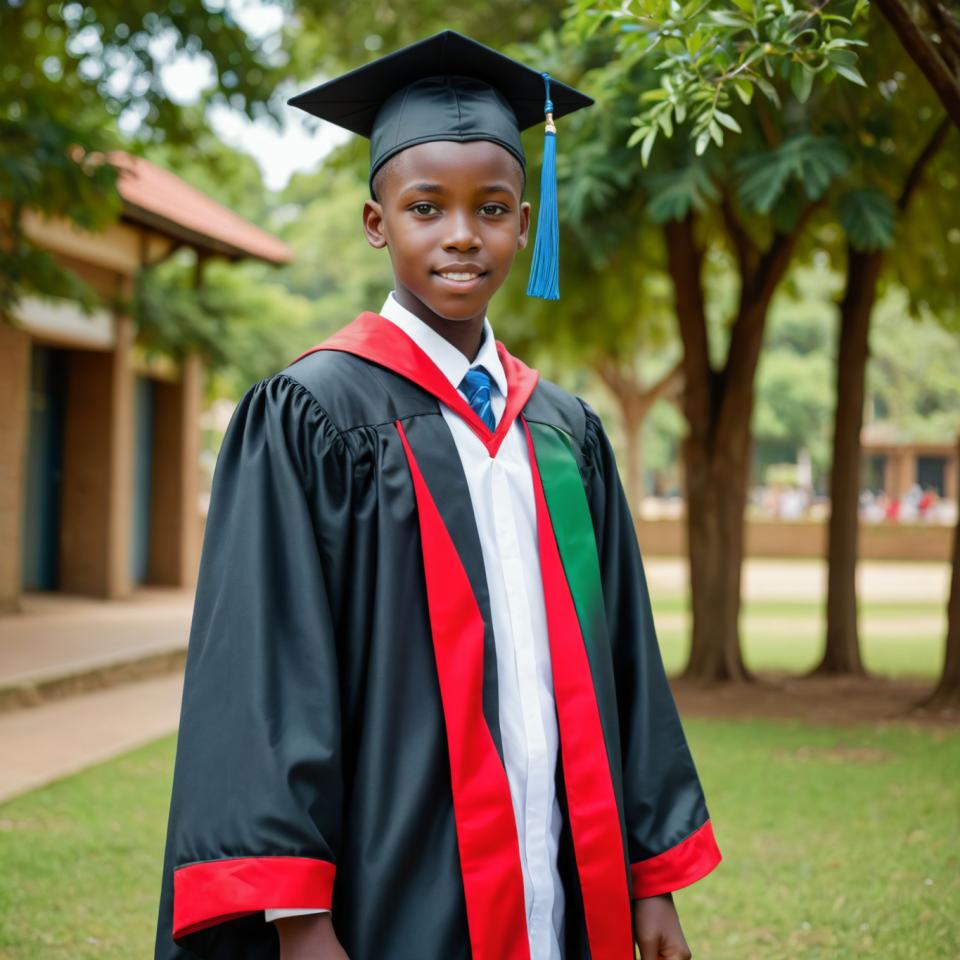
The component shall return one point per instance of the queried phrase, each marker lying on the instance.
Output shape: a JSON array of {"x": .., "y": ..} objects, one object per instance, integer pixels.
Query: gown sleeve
[
  {"x": 670, "y": 838},
  {"x": 256, "y": 809}
]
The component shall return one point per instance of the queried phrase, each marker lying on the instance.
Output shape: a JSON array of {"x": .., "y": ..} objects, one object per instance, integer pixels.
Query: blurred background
[{"x": 760, "y": 251}]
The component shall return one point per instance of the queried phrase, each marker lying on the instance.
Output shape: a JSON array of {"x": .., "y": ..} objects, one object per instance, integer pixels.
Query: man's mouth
[
  {"x": 462, "y": 276},
  {"x": 459, "y": 276}
]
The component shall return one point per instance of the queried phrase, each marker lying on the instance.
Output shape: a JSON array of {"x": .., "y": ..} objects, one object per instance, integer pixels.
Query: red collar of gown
[{"x": 377, "y": 339}]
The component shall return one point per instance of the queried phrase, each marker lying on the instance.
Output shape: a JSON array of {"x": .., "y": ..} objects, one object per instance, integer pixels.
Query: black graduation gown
[{"x": 339, "y": 744}]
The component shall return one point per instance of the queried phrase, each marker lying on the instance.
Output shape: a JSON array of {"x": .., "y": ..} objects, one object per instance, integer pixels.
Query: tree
[
  {"x": 947, "y": 692},
  {"x": 615, "y": 314},
  {"x": 858, "y": 162},
  {"x": 244, "y": 323},
  {"x": 334, "y": 36},
  {"x": 79, "y": 73},
  {"x": 864, "y": 266},
  {"x": 687, "y": 63},
  {"x": 335, "y": 269},
  {"x": 929, "y": 31}
]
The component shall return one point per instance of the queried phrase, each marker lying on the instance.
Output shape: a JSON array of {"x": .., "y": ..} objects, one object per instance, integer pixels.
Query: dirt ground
[{"x": 827, "y": 700}]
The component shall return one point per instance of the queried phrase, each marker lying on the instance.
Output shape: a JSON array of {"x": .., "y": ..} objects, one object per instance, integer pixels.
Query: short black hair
[{"x": 376, "y": 185}]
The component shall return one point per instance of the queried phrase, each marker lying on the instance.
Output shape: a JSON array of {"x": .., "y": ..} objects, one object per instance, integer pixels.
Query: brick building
[{"x": 98, "y": 447}]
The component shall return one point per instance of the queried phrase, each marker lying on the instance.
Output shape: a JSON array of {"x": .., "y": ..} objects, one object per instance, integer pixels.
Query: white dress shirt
[{"x": 501, "y": 489}]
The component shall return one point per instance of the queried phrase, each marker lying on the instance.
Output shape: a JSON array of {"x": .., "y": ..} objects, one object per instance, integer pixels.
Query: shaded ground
[
  {"x": 902, "y": 628},
  {"x": 818, "y": 700}
]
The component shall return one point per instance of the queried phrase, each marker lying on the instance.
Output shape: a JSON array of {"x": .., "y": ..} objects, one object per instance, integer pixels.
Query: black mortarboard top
[{"x": 449, "y": 87}]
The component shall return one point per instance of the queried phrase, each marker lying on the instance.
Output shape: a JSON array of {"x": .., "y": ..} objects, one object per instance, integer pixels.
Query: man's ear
[
  {"x": 524, "y": 225},
  {"x": 373, "y": 224}
]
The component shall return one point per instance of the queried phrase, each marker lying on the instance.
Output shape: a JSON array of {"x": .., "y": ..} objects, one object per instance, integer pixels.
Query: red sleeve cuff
[
  {"x": 692, "y": 858},
  {"x": 214, "y": 891}
]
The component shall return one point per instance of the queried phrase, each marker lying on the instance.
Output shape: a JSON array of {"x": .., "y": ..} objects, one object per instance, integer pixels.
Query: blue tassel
[{"x": 545, "y": 268}]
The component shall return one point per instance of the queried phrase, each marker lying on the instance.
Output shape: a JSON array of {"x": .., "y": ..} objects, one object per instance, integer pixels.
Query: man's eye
[
  {"x": 424, "y": 209},
  {"x": 492, "y": 209}
]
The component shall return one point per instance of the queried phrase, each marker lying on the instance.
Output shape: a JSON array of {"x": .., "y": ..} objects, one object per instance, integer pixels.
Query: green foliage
[
  {"x": 329, "y": 36},
  {"x": 912, "y": 372},
  {"x": 869, "y": 218},
  {"x": 244, "y": 323},
  {"x": 795, "y": 393},
  {"x": 925, "y": 259},
  {"x": 711, "y": 53},
  {"x": 675, "y": 193},
  {"x": 230, "y": 177},
  {"x": 72, "y": 74},
  {"x": 794, "y": 405},
  {"x": 109, "y": 57},
  {"x": 812, "y": 162},
  {"x": 335, "y": 271}
]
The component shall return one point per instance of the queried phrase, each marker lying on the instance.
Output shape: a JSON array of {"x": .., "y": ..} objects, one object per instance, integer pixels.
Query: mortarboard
[{"x": 449, "y": 87}]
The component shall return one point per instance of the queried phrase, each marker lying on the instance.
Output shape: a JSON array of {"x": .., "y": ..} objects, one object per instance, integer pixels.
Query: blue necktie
[{"x": 476, "y": 385}]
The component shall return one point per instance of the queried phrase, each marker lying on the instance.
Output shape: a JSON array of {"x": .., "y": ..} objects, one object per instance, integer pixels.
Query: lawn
[
  {"x": 837, "y": 843},
  {"x": 898, "y": 639}
]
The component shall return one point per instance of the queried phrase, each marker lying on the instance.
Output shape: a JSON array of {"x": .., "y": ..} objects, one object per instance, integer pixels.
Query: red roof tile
[{"x": 159, "y": 199}]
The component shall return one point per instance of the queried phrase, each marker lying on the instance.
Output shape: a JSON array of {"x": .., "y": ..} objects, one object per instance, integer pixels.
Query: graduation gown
[{"x": 339, "y": 743}]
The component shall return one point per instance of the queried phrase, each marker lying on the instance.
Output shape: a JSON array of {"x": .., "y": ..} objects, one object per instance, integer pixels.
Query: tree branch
[
  {"x": 925, "y": 54},
  {"x": 915, "y": 174},
  {"x": 948, "y": 27},
  {"x": 684, "y": 260},
  {"x": 743, "y": 245}
]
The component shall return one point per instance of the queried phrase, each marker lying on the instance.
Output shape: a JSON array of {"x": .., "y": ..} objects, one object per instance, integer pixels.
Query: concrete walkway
[
  {"x": 41, "y": 744},
  {"x": 84, "y": 680},
  {"x": 802, "y": 579},
  {"x": 55, "y": 635}
]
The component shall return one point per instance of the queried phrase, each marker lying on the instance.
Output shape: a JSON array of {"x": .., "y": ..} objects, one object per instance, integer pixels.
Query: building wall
[
  {"x": 175, "y": 520},
  {"x": 98, "y": 471},
  {"x": 15, "y": 377},
  {"x": 808, "y": 538}
]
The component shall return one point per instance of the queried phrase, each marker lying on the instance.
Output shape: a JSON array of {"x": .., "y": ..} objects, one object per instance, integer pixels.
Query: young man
[{"x": 425, "y": 715}]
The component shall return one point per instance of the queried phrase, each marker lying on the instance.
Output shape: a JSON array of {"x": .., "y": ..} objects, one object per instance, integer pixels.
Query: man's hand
[
  {"x": 309, "y": 937},
  {"x": 656, "y": 929}
]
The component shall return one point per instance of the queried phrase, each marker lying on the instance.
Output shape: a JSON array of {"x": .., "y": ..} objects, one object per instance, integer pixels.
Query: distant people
[
  {"x": 793, "y": 503},
  {"x": 927, "y": 507}
]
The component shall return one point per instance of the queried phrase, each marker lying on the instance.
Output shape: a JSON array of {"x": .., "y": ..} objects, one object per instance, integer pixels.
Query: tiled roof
[{"x": 158, "y": 199}]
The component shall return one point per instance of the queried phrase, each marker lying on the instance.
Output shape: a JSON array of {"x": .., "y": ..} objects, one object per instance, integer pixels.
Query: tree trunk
[
  {"x": 842, "y": 650},
  {"x": 947, "y": 692},
  {"x": 633, "y": 474},
  {"x": 635, "y": 399},
  {"x": 716, "y": 484},
  {"x": 717, "y": 449}
]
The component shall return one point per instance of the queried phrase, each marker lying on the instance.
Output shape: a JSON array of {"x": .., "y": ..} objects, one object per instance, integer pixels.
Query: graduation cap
[{"x": 449, "y": 87}]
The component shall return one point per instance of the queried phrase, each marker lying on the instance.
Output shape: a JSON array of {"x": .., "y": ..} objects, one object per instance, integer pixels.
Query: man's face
[{"x": 452, "y": 218}]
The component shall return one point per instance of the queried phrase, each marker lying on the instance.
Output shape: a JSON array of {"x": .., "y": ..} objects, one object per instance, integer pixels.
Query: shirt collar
[{"x": 452, "y": 363}]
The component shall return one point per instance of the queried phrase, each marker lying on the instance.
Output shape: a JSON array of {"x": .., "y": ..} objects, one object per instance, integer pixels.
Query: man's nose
[{"x": 462, "y": 232}]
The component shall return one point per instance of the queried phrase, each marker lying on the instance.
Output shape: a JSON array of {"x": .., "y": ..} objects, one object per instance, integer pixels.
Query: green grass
[
  {"x": 899, "y": 639},
  {"x": 838, "y": 844},
  {"x": 679, "y": 603},
  {"x": 82, "y": 859}
]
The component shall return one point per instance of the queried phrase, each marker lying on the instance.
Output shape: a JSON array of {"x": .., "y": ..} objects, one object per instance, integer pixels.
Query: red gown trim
[
  {"x": 214, "y": 891},
  {"x": 692, "y": 858},
  {"x": 377, "y": 339},
  {"x": 483, "y": 810},
  {"x": 594, "y": 816}
]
